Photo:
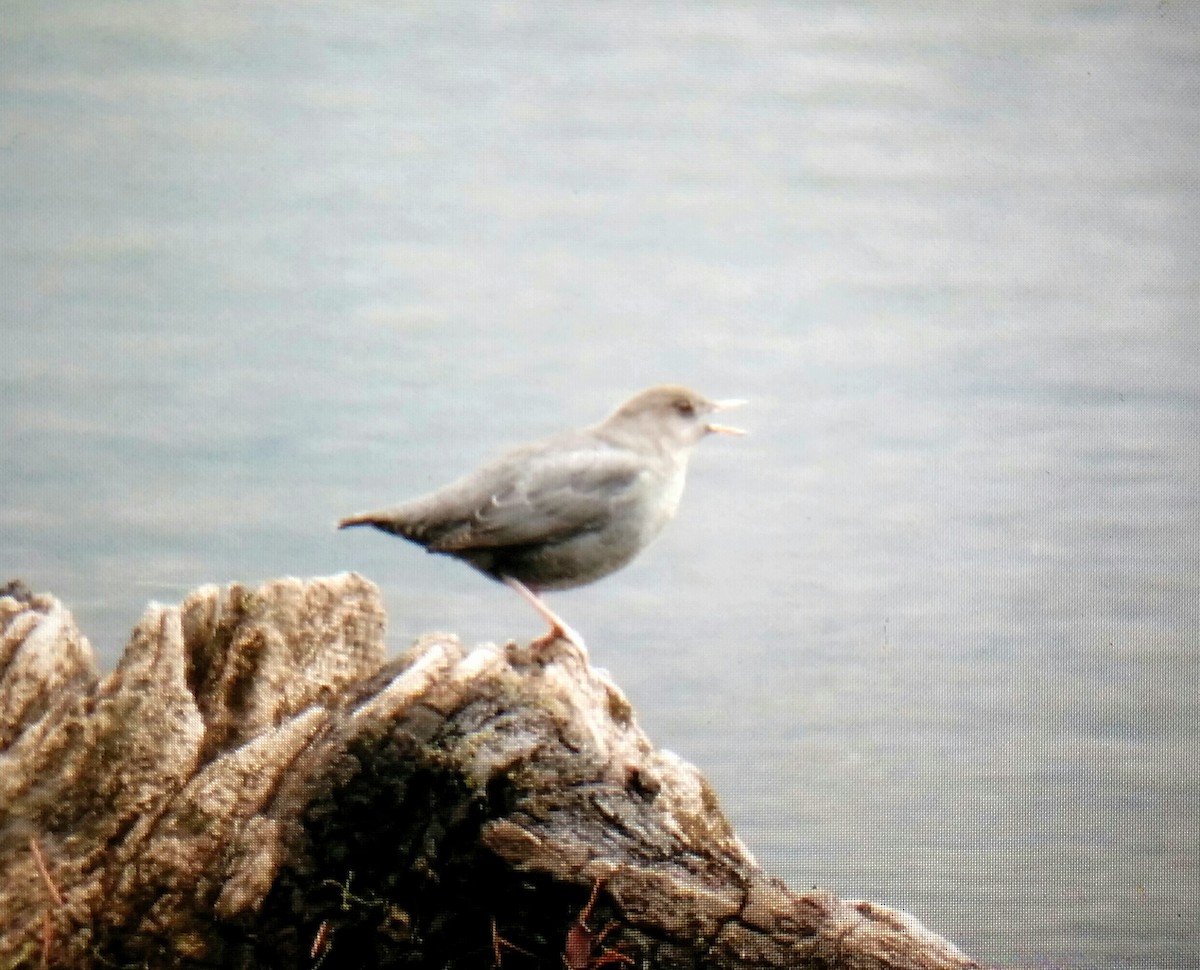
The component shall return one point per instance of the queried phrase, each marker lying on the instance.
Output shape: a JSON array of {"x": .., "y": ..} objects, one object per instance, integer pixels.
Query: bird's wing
[{"x": 548, "y": 496}]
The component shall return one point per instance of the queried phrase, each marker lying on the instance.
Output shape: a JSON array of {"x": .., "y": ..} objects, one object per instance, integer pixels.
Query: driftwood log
[{"x": 256, "y": 785}]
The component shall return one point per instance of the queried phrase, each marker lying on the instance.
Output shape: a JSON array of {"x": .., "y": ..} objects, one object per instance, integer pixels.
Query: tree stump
[{"x": 256, "y": 785}]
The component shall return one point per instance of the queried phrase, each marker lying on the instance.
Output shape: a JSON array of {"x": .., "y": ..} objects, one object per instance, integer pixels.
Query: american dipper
[{"x": 569, "y": 509}]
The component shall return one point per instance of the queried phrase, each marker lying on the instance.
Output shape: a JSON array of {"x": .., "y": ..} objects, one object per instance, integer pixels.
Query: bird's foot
[{"x": 559, "y": 631}]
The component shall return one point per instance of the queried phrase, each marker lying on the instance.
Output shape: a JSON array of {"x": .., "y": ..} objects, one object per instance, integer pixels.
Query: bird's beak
[{"x": 722, "y": 406}]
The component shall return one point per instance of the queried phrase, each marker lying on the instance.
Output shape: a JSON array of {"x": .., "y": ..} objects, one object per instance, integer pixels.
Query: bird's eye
[{"x": 685, "y": 407}]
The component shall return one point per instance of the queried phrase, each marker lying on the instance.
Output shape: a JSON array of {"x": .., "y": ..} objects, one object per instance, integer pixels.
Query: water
[{"x": 931, "y": 631}]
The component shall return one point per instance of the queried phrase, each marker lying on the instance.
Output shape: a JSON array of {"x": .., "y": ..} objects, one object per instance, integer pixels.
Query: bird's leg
[{"x": 558, "y": 629}]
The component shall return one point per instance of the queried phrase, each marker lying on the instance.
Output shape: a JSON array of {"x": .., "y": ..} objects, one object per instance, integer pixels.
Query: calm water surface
[{"x": 931, "y": 630}]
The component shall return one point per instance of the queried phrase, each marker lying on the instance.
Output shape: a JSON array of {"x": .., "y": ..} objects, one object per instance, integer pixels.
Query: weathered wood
[{"x": 255, "y": 785}]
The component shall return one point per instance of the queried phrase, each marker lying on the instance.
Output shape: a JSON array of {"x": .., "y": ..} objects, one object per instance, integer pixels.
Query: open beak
[{"x": 722, "y": 406}]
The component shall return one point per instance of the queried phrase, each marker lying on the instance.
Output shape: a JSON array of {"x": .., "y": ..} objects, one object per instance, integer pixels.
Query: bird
[{"x": 569, "y": 509}]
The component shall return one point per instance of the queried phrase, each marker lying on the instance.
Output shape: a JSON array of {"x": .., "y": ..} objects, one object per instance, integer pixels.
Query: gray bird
[{"x": 569, "y": 509}]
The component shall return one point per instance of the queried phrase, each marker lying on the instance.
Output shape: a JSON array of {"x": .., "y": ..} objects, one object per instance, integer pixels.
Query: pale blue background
[{"x": 931, "y": 631}]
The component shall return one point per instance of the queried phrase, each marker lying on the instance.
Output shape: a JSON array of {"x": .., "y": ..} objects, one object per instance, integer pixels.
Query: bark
[{"x": 256, "y": 785}]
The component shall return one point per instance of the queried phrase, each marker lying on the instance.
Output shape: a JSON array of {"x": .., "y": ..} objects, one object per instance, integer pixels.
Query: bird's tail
[
  {"x": 366, "y": 518},
  {"x": 387, "y": 520}
]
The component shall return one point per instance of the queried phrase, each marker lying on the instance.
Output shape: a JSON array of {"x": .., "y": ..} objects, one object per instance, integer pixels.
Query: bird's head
[{"x": 670, "y": 417}]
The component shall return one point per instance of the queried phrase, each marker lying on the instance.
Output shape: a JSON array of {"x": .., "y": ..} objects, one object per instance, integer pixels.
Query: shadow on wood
[{"x": 255, "y": 785}]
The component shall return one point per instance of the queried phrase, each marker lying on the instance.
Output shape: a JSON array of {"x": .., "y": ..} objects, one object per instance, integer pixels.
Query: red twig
[
  {"x": 39, "y": 860},
  {"x": 56, "y": 897},
  {"x": 47, "y": 937},
  {"x": 580, "y": 951},
  {"x": 500, "y": 944},
  {"x": 320, "y": 941}
]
